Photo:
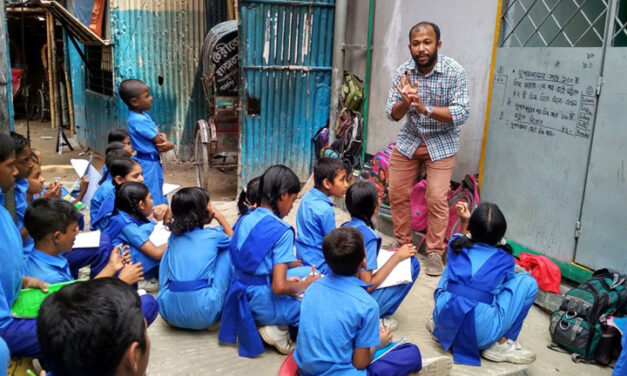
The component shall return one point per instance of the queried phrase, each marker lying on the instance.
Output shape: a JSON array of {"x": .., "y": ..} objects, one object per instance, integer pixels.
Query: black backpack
[{"x": 577, "y": 325}]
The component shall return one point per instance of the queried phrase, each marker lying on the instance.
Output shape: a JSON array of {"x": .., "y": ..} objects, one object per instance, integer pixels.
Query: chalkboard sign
[{"x": 220, "y": 58}]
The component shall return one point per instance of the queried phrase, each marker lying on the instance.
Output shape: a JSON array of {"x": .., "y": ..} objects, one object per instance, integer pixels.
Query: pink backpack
[
  {"x": 381, "y": 160},
  {"x": 467, "y": 190}
]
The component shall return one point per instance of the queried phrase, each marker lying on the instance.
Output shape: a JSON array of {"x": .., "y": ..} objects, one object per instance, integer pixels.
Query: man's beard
[{"x": 432, "y": 58}]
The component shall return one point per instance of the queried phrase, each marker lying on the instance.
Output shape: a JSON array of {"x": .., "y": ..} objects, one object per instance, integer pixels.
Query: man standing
[{"x": 430, "y": 89}]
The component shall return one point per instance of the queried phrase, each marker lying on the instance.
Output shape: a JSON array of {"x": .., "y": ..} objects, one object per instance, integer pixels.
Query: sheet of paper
[
  {"x": 169, "y": 188},
  {"x": 400, "y": 275},
  {"x": 90, "y": 239},
  {"x": 160, "y": 234},
  {"x": 92, "y": 174}
]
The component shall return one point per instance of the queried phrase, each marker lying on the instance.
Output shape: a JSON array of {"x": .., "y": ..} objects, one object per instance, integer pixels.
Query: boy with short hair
[
  {"x": 145, "y": 137},
  {"x": 19, "y": 334},
  {"x": 53, "y": 224},
  {"x": 94, "y": 328},
  {"x": 339, "y": 321},
  {"x": 24, "y": 164},
  {"x": 315, "y": 217}
]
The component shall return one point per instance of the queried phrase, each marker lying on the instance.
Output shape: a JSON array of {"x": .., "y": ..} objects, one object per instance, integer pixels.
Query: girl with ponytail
[
  {"x": 480, "y": 302},
  {"x": 362, "y": 202},
  {"x": 261, "y": 293}
]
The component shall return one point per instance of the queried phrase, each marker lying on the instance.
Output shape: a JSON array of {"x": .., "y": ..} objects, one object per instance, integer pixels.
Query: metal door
[
  {"x": 542, "y": 117},
  {"x": 604, "y": 211},
  {"x": 286, "y": 50}
]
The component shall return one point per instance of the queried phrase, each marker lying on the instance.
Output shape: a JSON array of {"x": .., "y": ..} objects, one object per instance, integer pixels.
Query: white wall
[{"x": 467, "y": 29}]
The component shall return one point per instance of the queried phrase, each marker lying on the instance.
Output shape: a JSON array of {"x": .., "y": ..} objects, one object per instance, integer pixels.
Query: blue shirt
[
  {"x": 104, "y": 193},
  {"x": 50, "y": 269},
  {"x": 21, "y": 186},
  {"x": 135, "y": 236},
  {"x": 142, "y": 130},
  {"x": 12, "y": 263},
  {"x": 283, "y": 251},
  {"x": 337, "y": 315},
  {"x": 314, "y": 220},
  {"x": 445, "y": 86},
  {"x": 372, "y": 247},
  {"x": 5, "y": 357}
]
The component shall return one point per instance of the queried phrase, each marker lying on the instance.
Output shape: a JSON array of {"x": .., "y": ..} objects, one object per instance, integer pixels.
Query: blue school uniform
[
  {"x": 315, "y": 219},
  {"x": 124, "y": 229},
  {"x": 101, "y": 205},
  {"x": 388, "y": 298},
  {"x": 5, "y": 357},
  {"x": 48, "y": 268},
  {"x": 620, "y": 369},
  {"x": 480, "y": 299},
  {"x": 142, "y": 130},
  {"x": 260, "y": 241},
  {"x": 194, "y": 276},
  {"x": 21, "y": 186},
  {"x": 19, "y": 334}
]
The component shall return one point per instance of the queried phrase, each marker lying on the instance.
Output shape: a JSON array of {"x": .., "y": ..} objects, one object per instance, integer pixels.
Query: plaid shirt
[{"x": 445, "y": 85}]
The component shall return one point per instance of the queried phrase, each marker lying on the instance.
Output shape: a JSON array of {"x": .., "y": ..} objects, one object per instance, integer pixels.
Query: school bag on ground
[
  {"x": 577, "y": 325},
  {"x": 352, "y": 94}
]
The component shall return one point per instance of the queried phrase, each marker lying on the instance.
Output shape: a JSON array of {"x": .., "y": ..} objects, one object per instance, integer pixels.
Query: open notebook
[
  {"x": 88, "y": 239},
  {"x": 160, "y": 234},
  {"x": 400, "y": 275}
]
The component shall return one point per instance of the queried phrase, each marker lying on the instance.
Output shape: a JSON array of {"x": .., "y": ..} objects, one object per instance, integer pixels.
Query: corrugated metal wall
[
  {"x": 158, "y": 42},
  {"x": 286, "y": 51},
  {"x": 6, "y": 102}
]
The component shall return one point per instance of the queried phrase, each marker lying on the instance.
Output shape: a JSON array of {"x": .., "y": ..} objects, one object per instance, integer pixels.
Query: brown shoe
[{"x": 435, "y": 267}]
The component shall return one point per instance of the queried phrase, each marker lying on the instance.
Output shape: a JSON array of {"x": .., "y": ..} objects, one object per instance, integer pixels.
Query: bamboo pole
[
  {"x": 49, "y": 43},
  {"x": 70, "y": 102},
  {"x": 55, "y": 75}
]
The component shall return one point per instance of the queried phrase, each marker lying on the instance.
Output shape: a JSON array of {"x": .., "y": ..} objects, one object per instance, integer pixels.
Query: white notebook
[
  {"x": 160, "y": 234},
  {"x": 90, "y": 239},
  {"x": 400, "y": 275}
]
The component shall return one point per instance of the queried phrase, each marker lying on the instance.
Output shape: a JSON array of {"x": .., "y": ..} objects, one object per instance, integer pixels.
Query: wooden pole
[
  {"x": 49, "y": 42},
  {"x": 70, "y": 102},
  {"x": 55, "y": 75}
]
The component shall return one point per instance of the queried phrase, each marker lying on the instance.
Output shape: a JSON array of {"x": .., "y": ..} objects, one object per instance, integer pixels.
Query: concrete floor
[{"x": 181, "y": 352}]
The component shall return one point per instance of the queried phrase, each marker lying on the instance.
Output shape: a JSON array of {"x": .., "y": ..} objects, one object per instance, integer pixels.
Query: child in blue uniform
[
  {"x": 249, "y": 196},
  {"x": 5, "y": 357},
  {"x": 340, "y": 329},
  {"x": 480, "y": 302},
  {"x": 261, "y": 248},
  {"x": 131, "y": 225},
  {"x": 122, "y": 136},
  {"x": 145, "y": 137},
  {"x": 19, "y": 334},
  {"x": 24, "y": 164},
  {"x": 315, "y": 217},
  {"x": 52, "y": 222},
  {"x": 362, "y": 202},
  {"x": 195, "y": 271},
  {"x": 105, "y": 185},
  {"x": 94, "y": 328}
]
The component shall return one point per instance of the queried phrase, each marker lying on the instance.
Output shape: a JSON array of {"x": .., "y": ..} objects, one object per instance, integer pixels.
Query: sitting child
[
  {"x": 94, "y": 328},
  {"x": 131, "y": 225},
  {"x": 339, "y": 324},
  {"x": 315, "y": 217},
  {"x": 480, "y": 302},
  {"x": 5, "y": 357},
  {"x": 145, "y": 137},
  {"x": 53, "y": 223},
  {"x": 19, "y": 334},
  {"x": 195, "y": 271},
  {"x": 261, "y": 248},
  {"x": 122, "y": 136},
  {"x": 106, "y": 183},
  {"x": 362, "y": 203},
  {"x": 249, "y": 196}
]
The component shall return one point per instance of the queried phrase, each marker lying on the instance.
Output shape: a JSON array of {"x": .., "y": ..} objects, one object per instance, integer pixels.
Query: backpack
[
  {"x": 577, "y": 325},
  {"x": 352, "y": 94},
  {"x": 321, "y": 141},
  {"x": 467, "y": 191}
]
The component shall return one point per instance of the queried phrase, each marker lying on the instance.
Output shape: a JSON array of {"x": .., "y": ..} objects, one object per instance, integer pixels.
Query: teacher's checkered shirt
[{"x": 445, "y": 85}]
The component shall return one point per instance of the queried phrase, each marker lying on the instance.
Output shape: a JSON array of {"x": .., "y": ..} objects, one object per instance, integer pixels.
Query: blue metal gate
[{"x": 286, "y": 51}]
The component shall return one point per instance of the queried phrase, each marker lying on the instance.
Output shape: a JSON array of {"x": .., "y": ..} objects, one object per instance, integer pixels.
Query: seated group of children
[{"x": 249, "y": 278}]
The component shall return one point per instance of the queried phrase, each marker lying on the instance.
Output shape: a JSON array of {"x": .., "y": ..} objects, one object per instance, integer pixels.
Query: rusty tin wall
[
  {"x": 158, "y": 42},
  {"x": 286, "y": 49}
]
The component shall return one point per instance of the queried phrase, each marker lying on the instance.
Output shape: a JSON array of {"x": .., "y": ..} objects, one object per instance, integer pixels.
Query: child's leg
[
  {"x": 505, "y": 318},
  {"x": 401, "y": 361},
  {"x": 21, "y": 337},
  {"x": 271, "y": 309},
  {"x": 150, "y": 308},
  {"x": 390, "y": 298}
]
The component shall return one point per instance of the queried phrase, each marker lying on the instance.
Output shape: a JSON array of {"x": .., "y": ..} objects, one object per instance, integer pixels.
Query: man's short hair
[
  {"x": 435, "y": 27},
  {"x": 343, "y": 250},
  {"x": 48, "y": 215},
  {"x": 327, "y": 168},
  {"x": 130, "y": 89},
  {"x": 86, "y": 327},
  {"x": 19, "y": 142}
]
